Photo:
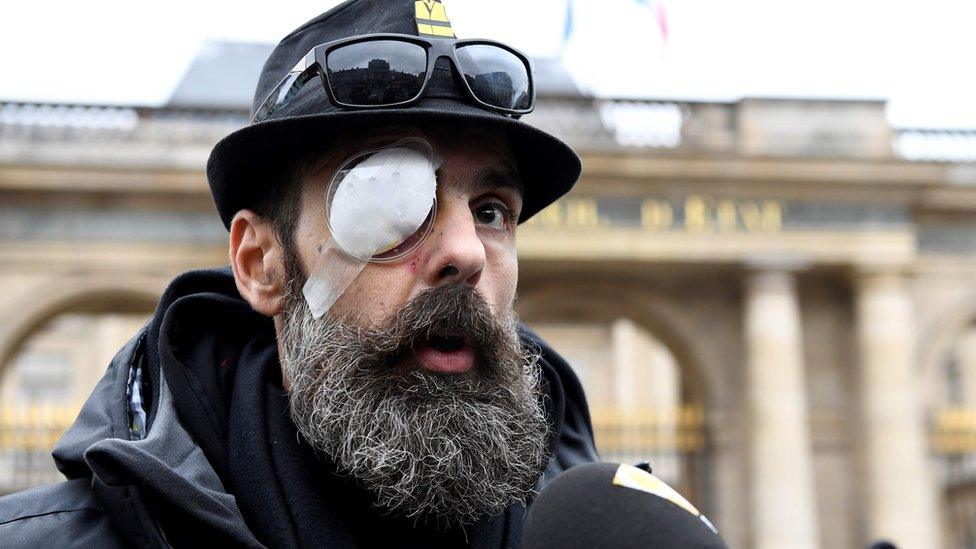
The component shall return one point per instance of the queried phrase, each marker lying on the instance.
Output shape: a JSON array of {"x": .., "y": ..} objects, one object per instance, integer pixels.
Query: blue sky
[{"x": 916, "y": 54}]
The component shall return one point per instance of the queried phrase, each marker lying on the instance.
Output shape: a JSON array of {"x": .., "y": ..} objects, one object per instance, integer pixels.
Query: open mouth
[
  {"x": 446, "y": 353},
  {"x": 446, "y": 343}
]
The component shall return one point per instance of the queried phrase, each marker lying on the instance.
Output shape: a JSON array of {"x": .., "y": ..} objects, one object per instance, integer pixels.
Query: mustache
[{"x": 449, "y": 310}]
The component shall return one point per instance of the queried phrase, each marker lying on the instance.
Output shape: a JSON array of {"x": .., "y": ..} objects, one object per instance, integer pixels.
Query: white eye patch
[
  {"x": 382, "y": 201},
  {"x": 380, "y": 206}
]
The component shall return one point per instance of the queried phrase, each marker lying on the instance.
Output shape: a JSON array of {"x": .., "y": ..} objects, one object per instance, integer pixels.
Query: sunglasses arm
[{"x": 296, "y": 79}]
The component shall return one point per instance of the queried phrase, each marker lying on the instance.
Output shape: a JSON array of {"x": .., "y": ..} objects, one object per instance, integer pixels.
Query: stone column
[
  {"x": 783, "y": 503},
  {"x": 900, "y": 503},
  {"x": 624, "y": 335}
]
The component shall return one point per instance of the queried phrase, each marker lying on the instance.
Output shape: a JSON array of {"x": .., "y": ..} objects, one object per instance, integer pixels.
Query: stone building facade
[{"x": 774, "y": 301}]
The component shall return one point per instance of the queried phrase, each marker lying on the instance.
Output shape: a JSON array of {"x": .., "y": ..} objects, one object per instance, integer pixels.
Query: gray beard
[{"x": 452, "y": 448}]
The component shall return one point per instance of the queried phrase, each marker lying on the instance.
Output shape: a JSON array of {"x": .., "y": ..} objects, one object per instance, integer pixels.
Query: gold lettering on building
[
  {"x": 549, "y": 217},
  {"x": 751, "y": 216},
  {"x": 700, "y": 214},
  {"x": 577, "y": 213},
  {"x": 697, "y": 214},
  {"x": 656, "y": 215},
  {"x": 772, "y": 216},
  {"x": 703, "y": 215},
  {"x": 582, "y": 213},
  {"x": 727, "y": 214}
]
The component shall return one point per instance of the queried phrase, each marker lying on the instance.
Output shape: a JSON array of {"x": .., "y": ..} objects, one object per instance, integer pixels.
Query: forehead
[
  {"x": 482, "y": 146},
  {"x": 465, "y": 153}
]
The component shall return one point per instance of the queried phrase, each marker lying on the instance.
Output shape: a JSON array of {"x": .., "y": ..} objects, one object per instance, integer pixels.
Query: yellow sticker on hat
[
  {"x": 629, "y": 476},
  {"x": 432, "y": 19}
]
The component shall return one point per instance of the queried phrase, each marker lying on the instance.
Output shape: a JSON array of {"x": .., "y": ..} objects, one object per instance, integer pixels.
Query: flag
[
  {"x": 660, "y": 17},
  {"x": 568, "y": 24}
]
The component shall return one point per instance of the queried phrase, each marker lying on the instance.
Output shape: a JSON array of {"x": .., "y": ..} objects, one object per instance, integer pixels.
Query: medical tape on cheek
[{"x": 375, "y": 205}]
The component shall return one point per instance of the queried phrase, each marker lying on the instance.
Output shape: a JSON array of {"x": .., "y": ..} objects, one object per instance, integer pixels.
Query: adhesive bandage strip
[{"x": 380, "y": 206}]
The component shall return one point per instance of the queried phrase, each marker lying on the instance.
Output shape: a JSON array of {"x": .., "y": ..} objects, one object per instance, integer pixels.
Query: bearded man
[{"x": 357, "y": 377}]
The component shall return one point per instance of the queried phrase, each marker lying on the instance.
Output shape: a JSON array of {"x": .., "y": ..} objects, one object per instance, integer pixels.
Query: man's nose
[{"x": 457, "y": 254}]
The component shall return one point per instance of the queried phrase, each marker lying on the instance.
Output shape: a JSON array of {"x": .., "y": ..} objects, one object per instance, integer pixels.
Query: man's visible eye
[{"x": 494, "y": 214}]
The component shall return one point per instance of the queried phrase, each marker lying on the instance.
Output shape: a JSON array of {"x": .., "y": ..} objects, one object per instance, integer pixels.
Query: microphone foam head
[{"x": 597, "y": 505}]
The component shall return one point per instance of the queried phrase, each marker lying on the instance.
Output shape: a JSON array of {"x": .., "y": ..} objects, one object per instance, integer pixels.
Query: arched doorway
[
  {"x": 642, "y": 379},
  {"x": 61, "y": 350}
]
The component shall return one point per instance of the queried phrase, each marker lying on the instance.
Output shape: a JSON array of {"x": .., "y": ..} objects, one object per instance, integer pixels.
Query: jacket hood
[{"x": 167, "y": 466}]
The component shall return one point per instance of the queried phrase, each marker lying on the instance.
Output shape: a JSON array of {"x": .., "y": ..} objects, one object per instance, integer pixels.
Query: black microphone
[{"x": 599, "y": 505}]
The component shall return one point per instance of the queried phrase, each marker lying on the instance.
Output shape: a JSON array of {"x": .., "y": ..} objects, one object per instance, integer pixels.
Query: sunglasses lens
[
  {"x": 496, "y": 76},
  {"x": 378, "y": 72}
]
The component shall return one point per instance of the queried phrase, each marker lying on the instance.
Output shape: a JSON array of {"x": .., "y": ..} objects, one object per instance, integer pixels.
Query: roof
[{"x": 223, "y": 76}]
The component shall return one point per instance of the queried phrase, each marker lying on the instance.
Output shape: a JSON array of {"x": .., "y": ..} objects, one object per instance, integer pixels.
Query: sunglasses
[{"x": 393, "y": 70}]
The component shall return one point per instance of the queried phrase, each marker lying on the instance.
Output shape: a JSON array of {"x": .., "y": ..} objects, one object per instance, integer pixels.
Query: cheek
[
  {"x": 379, "y": 291},
  {"x": 413, "y": 266},
  {"x": 502, "y": 275},
  {"x": 311, "y": 235}
]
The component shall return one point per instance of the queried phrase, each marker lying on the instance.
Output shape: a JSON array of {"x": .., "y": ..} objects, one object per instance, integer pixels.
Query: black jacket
[{"x": 124, "y": 491}]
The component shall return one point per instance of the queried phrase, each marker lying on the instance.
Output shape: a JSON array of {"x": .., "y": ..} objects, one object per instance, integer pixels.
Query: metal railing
[
  {"x": 589, "y": 124},
  {"x": 27, "y": 436},
  {"x": 586, "y": 123},
  {"x": 953, "y": 439},
  {"x": 953, "y": 431},
  {"x": 636, "y": 432},
  {"x": 672, "y": 440},
  {"x": 115, "y": 124},
  {"x": 935, "y": 145},
  {"x": 662, "y": 436}
]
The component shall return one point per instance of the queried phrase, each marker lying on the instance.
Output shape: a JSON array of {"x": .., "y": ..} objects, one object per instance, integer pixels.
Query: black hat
[{"x": 249, "y": 162}]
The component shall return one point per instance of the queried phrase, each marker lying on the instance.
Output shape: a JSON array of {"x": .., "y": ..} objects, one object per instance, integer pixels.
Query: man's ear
[{"x": 258, "y": 264}]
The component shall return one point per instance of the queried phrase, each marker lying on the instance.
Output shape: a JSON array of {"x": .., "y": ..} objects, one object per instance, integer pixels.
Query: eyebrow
[{"x": 494, "y": 177}]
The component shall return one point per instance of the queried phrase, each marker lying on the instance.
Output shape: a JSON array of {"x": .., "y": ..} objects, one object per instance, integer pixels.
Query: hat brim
[{"x": 250, "y": 161}]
